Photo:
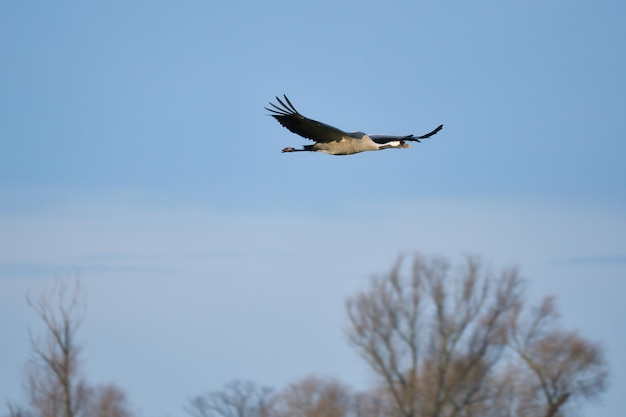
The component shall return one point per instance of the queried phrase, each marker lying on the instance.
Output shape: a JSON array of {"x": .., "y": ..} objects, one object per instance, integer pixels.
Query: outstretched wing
[
  {"x": 382, "y": 139},
  {"x": 288, "y": 116}
]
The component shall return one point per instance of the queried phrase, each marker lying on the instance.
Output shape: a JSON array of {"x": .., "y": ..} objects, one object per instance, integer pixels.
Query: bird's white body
[{"x": 347, "y": 145}]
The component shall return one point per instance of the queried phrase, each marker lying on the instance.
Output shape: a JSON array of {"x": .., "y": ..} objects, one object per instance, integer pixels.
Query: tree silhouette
[
  {"x": 53, "y": 380},
  {"x": 450, "y": 342}
]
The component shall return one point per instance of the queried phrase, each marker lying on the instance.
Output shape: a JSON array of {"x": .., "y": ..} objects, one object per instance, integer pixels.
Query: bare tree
[
  {"x": 310, "y": 397},
  {"x": 562, "y": 365},
  {"x": 432, "y": 338},
  {"x": 315, "y": 397},
  {"x": 236, "y": 399},
  {"x": 438, "y": 339},
  {"x": 54, "y": 384}
]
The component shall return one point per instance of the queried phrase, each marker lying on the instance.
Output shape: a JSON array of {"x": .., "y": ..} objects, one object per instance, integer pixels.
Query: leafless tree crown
[
  {"x": 315, "y": 397},
  {"x": 236, "y": 399},
  {"x": 55, "y": 386},
  {"x": 54, "y": 383},
  {"x": 446, "y": 342}
]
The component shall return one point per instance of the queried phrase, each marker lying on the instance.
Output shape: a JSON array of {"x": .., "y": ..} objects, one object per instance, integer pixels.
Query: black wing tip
[
  {"x": 429, "y": 134},
  {"x": 414, "y": 138},
  {"x": 437, "y": 129},
  {"x": 283, "y": 108}
]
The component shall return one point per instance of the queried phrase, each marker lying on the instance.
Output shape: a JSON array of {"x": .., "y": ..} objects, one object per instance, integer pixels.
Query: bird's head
[{"x": 398, "y": 144}]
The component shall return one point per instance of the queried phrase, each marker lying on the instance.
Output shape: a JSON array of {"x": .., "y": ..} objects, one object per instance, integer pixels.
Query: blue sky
[{"x": 136, "y": 153}]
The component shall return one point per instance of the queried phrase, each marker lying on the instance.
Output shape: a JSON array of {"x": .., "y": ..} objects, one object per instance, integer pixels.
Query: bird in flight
[{"x": 333, "y": 141}]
